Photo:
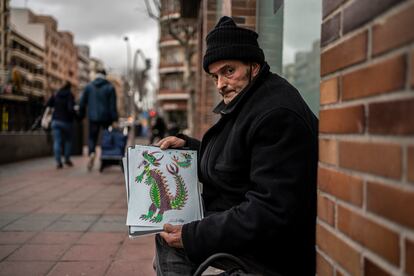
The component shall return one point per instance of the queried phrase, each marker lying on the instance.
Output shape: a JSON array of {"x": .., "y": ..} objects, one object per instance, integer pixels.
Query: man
[
  {"x": 100, "y": 98},
  {"x": 257, "y": 165}
]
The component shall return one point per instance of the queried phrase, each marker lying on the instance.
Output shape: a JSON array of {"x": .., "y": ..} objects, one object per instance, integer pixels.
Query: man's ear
[{"x": 255, "y": 69}]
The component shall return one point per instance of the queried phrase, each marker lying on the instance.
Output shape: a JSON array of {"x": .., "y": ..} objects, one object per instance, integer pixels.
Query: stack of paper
[{"x": 162, "y": 187}]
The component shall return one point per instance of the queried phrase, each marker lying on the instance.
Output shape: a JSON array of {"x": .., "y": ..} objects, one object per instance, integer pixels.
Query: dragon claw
[
  {"x": 158, "y": 218},
  {"x": 148, "y": 216}
]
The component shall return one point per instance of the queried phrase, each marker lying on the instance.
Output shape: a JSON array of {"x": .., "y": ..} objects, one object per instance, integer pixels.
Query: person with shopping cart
[{"x": 99, "y": 99}]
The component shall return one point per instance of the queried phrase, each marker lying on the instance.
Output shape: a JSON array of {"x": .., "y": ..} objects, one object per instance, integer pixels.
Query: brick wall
[{"x": 366, "y": 159}]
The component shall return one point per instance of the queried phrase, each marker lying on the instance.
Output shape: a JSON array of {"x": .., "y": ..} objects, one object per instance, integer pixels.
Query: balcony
[
  {"x": 170, "y": 91},
  {"x": 25, "y": 56},
  {"x": 173, "y": 96}
]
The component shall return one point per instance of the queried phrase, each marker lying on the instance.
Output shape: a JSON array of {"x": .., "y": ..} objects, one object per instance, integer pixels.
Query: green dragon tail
[{"x": 181, "y": 195}]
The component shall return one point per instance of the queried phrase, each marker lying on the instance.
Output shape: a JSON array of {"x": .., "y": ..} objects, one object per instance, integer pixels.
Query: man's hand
[
  {"x": 172, "y": 235},
  {"x": 170, "y": 142}
]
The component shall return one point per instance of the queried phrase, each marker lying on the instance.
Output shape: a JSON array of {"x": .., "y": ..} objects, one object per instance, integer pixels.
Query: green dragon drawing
[{"x": 161, "y": 198}]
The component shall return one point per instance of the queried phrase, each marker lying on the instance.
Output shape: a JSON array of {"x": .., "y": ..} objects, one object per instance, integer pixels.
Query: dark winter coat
[
  {"x": 258, "y": 168},
  {"x": 63, "y": 105},
  {"x": 100, "y": 98}
]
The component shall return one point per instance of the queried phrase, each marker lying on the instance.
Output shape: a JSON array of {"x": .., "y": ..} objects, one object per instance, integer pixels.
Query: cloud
[
  {"x": 302, "y": 26},
  {"x": 102, "y": 24}
]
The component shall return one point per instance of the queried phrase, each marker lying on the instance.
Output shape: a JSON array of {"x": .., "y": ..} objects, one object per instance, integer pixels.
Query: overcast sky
[
  {"x": 102, "y": 24},
  {"x": 302, "y": 21}
]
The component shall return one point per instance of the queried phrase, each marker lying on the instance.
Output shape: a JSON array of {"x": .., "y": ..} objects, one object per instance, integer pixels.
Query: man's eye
[
  {"x": 214, "y": 77},
  {"x": 229, "y": 70}
]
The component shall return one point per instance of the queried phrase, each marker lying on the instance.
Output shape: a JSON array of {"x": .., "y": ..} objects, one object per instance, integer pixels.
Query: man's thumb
[{"x": 168, "y": 228}]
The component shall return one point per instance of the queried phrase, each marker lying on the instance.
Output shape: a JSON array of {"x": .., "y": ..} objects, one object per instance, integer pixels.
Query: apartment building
[
  {"x": 4, "y": 23},
  {"x": 175, "y": 98},
  {"x": 121, "y": 100},
  {"x": 27, "y": 60},
  {"x": 60, "y": 61},
  {"x": 83, "y": 66},
  {"x": 95, "y": 65},
  {"x": 60, "y": 55}
]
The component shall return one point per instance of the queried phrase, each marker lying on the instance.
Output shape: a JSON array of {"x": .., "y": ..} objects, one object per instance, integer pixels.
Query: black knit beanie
[{"x": 228, "y": 41}]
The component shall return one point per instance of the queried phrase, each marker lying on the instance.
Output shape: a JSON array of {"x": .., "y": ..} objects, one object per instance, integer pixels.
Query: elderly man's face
[{"x": 231, "y": 77}]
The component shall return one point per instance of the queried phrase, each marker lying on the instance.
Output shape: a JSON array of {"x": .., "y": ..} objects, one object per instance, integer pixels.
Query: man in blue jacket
[
  {"x": 257, "y": 165},
  {"x": 99, "y": 98}
]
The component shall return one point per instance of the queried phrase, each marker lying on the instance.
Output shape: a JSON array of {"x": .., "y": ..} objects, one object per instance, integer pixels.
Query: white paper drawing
[{"x": 163, "y": 188}]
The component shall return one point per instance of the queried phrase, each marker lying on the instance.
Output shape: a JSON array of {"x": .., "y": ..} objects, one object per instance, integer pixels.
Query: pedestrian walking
[
  {"x": 62, "y": 103},
  {"x": 257, "y": 165},
  {"x": 99, "y": 98}
]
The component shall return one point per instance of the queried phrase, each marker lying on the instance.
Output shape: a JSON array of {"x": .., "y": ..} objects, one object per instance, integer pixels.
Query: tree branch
[{"x": 150, "y": 12}]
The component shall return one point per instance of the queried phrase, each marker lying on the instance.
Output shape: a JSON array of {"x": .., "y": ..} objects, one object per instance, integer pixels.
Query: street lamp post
[
  {"x": 140, "y": 77},
  {"x": 128, "y": 78}
]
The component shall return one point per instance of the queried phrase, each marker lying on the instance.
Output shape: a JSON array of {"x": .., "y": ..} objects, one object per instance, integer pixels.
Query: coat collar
[{"x": 224, "y": 109}]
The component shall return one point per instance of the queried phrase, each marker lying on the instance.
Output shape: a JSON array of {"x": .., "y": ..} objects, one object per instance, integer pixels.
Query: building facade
[
  {"x": 4, "y": 25},
  {"x": 61, "y": 60},
  {"x": 23, "y": 81},
  {"x": 83, "y": 66},
  {"x": 175, "y": 97},
  {"x": 95, "y": 65},
  {"x": 304, "y": 74},
  {"x": 26, "y": 59},
  {"x": 121, "y": 100}
]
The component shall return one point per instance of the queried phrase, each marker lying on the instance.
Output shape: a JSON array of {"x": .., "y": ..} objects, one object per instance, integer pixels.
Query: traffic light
[{"x": 152, "y": 113}]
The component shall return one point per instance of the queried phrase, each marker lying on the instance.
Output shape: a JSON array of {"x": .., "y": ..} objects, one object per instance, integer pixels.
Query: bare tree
[{"x": 184, "y": 31}]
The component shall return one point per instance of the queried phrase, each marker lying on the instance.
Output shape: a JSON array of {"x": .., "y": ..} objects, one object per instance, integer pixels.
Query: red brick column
[{"x": 366, "y": 156}]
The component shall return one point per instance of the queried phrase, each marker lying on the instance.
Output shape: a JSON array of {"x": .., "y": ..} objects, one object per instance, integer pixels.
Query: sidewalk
[{"x": 67, "y": 222}]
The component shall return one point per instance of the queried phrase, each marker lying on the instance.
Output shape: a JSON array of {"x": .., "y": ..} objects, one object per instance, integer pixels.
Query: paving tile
[
  {"x": 4, "y": 222},
  {"x": 20, "y": 207},
  {"x": 6, "y": 250},
  {"x": 75, "y": 217},
  {"x": 102, "y": 238},
  {"x": 57, "y": 207},
  {"x": 55, "y": 238},
  {"x": 131, "y": 268},
  {"x": 87, "y": 211},
  {"x": 90, "y": 252},
  {"x": 131, "y": 253},
  {"x": 66, "y": 226},
  {"x": 79, "y": 268},
  {"x": 36, "y": 217},
  {"x": 15, "y": 237},
  {"x": 73, "y": 222},
  {"x": 27, "y": 225},
  {"x": 6, "y": 200},
  {"x": 110, "y": 223},
  {"x": 35, "y": 252},
  {"x": 68, "y": 222},
  {"x": 116, "y": 211},
  {"x": 24, "y": 268},
  {"x": 10, "y": 216},
  {"x": 109, "y": 227},
  {"x": 32, "y": 222},
  {"x": 148, "y": 240}
]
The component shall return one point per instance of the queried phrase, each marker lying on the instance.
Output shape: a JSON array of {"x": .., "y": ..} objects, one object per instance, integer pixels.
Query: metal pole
[
  {"x": 139, "y": 77},
  {"x": 128, "y": 77}
]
